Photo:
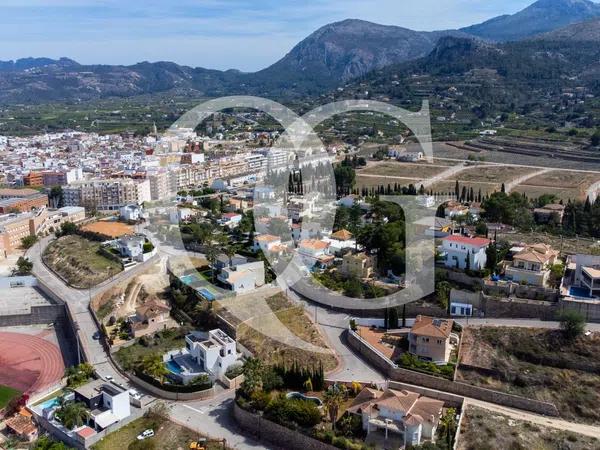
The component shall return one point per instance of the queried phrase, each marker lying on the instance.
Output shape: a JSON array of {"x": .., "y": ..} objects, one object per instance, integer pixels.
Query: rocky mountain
[
  {"x": 349, "y": 49},
  {"x": 331, "y": 56},
  {"x": 540, "y": 17}
]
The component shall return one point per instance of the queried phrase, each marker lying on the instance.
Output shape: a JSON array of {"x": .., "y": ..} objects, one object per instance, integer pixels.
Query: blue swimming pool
[
  {"x": 173, "y": 367},
  {"x": 52, "y": 403},
  {"x": 579, "y": 292},
  {"x": 206, "y": 294}
]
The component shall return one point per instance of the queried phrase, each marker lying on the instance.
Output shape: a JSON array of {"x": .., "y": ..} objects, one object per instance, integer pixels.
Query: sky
[{"x": 242, "y": 34}]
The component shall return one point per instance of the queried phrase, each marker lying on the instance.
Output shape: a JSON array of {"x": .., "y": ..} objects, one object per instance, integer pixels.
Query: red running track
[{"x": 29, "y": 363}]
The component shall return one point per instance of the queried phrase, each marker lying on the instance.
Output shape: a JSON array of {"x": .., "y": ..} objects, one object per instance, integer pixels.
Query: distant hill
[
  {"x": 540, "y": 17},
  {"x": 348, "y": 49},
  {"x": 580, "y": 32},
  {"x": 330, "y": 57}
]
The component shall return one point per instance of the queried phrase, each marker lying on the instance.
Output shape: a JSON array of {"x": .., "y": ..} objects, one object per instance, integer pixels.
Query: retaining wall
[
  {"x": 416, "y": 378},
  {"x": 277, "y": 434}
]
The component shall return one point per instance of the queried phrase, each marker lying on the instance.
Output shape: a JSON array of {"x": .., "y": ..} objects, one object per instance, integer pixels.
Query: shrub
[{"x": 292, "y": 411}]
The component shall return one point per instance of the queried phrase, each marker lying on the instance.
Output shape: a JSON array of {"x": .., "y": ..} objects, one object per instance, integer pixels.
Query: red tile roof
[{"x": 477, "y": 241}]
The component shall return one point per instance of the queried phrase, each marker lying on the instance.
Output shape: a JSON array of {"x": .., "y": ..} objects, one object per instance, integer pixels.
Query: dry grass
[
  {"x": 77, "y": 260},
  {"x": 492, "y": 174},
  {"x": 537, "y": 364},
  {"x": 110, "y": 228},
  {"x": 487, "y": 430},
  {"x": 403, "y": 169},
  {"x": 272, "y": 351}
]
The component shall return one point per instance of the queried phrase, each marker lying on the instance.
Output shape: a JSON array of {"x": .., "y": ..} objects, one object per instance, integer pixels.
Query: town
[{"x": 386, "y": 239}]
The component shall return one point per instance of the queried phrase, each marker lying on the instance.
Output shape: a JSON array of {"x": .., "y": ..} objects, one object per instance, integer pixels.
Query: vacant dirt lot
[
  {"x": 78, "y": 261},
  {"x": 294, "y": 319},
  {"x": 402, "y": 169},
  {"x": 491, "y": 174},
  {"x": 537, "y": 364},
  {"x": 110, "y": 228},
  {"x": 487, "y": 430},
  {"x": 565, "y": 185}
]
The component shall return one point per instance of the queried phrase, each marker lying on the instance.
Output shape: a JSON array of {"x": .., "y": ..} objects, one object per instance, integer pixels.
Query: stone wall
[
  {"x": 274, "y": 433},
  {"x": 589, "y": 310},
  {"x": 416, "y": 378}
]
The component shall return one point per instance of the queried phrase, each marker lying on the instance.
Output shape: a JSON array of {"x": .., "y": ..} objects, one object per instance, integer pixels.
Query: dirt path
[{"x": 588, "y": 430}]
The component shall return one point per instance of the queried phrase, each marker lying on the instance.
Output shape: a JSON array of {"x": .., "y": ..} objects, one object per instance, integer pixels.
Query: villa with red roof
[{"x": 465, "y": 252}]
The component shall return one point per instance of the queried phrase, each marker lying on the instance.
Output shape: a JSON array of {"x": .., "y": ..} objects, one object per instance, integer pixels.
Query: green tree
[
  {"x": 154, "y": 366},
  {"x": 333, "y": 398},
  {"x": 442, "y": 291},
  {"x": 572, "y": 324},
  {"x": 253, "y": 377},
  {"x": 24, "y": 266},
  {"x": 28, "y": 241},
  {"x": 72, "y": 414},
  {"x": 448, "y": 426}
]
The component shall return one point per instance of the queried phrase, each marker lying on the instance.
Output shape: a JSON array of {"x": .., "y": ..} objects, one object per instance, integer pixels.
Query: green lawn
[{"x": 7, "y": 394}]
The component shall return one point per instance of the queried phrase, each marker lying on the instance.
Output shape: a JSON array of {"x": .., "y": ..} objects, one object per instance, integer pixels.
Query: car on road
[
  {"x": 108, "y": 377},
  {"x": 96, "y": 336},
  {"x": 145, "y": 434}
]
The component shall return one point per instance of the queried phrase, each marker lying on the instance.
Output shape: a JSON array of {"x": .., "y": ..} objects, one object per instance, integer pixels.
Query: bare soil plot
[
  {"x": 79, "y": 261},
  {"x": 566, "y": 245},
  {"x": 271, "y": 351},
  {"x": 403, "y": 169},
  {"x": 110, "y": 228},
  {"x": 492, "y": 174},
  {"x": 566, "y": 185},
  {"x": 488, "y": 430},
  {"x": 538, "y": 364}
]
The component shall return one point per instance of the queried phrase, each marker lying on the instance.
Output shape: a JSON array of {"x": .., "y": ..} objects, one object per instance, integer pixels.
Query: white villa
[
  {"x": 214, "y": 354},
  {"x": 459, "y": 248},
  {"x": 397, "y": 419}
]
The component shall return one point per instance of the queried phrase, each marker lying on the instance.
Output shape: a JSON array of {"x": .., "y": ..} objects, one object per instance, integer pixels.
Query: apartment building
[
  {"x": 107, "y": 195},
  {"x": 14, "y": 227}
]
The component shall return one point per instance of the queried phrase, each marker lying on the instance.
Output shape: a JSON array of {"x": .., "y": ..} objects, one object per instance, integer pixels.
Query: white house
[
  {"x": 231, "y": 220},
  {"x": 242, "y": 275},
  {"x": 314, "y": 252},
  {"x": 531, "y": 264},
  {"x": 131, "y": 213},
  {"x": 133, "y": 247},
  {"x": 459, "y": 249},
  {"x": 584, "y": 276},
  {"x": 215, "y": 354},
  {"x": 181, "y": 215},
  {"x": 403, "y": 418},
  {"x": 108, "y": 403}
]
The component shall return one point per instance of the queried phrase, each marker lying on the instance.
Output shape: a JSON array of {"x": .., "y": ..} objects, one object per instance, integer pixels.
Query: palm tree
[
  {"x": 211, "y": 255},
  {"x": 72, "y": 414},
  {"x": 154, "y": 366},
  {"x": 333, "y": 398},
  {"x": 448, "y": 426}
]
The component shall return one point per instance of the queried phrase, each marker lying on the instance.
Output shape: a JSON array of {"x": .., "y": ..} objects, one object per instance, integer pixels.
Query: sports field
[{"x": 7, "y": 394}]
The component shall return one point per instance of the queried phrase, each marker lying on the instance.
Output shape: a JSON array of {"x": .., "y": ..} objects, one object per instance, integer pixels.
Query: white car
[
  {"x": 108, "y": 377},
  {"x": 145, "y": 434}
]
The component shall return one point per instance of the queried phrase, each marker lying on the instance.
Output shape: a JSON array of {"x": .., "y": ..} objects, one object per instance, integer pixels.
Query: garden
[{"x": 297, "y": 397}]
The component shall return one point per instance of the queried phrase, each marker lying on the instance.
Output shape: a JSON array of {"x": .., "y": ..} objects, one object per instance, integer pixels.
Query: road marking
[{"x": 193, "y": 409}]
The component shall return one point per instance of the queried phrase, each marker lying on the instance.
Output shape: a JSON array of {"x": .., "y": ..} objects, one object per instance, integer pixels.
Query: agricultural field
[
  {"x": 535, "y": 363},
  {"x": 79, "y": 262},
  {"x": 565, "y": 185},
  {"x": 482, "y": 429},
  {"x": 403, "y": 169}
]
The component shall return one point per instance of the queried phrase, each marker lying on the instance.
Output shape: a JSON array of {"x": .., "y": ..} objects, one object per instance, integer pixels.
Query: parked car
[
  {"x": 108, "y": 377},
  {"x": 145, "y": 434},
  {"x": 96, "y": 336}
]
